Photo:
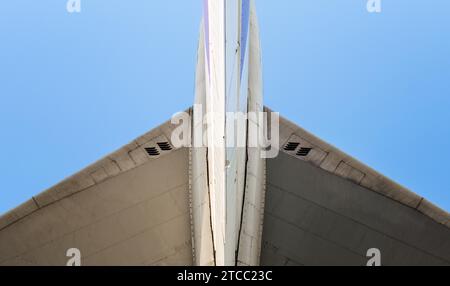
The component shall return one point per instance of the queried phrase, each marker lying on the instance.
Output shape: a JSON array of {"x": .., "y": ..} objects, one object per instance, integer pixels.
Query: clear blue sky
[{"x": 75, "y": 87}]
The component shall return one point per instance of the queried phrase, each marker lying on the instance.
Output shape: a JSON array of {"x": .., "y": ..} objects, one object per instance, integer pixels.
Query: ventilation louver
[
  {"x": 291, "y": 146},
  {"x": 152, "y": 151},
  {"x": 165, "y": 146},
  {"x": 303, "y": 152}
]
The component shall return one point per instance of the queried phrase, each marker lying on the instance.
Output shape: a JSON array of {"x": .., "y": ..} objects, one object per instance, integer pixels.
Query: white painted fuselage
[{"x": 227, "y": 175}]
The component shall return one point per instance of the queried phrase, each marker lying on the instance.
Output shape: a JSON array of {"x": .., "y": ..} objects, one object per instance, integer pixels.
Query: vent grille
[
  {"x": 165, "y": 146},
  {"x": 303, "y": 152},
  {"x": 152, "y": 151},
  {"x": 291, "y": 146}
]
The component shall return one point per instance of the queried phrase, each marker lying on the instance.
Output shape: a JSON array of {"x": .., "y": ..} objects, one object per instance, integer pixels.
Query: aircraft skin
[
  {"x": 230, "y": 196},
  {"x": 227, "y": 44}
]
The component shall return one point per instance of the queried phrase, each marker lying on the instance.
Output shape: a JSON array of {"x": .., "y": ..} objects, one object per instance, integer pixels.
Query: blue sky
[{"x": 75, "y": 87}]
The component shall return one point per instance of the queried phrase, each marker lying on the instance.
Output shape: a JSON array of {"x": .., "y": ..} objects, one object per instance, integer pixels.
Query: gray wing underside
[
  {"x": 327, "y": 208},
  {"x": 322, "y": 207},
  {"x": 130, "y": 208}
]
